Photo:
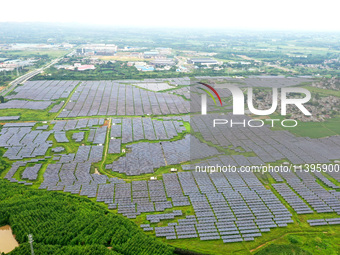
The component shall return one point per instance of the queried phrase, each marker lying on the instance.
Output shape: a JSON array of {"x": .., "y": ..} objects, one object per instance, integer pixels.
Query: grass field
[
  {"x": 323, "y": 92},
  {"x": 330, "y": 127},
  {"x": 50, "y": 53},
  {"x": 31, "y": 115},
  {"x": 28, "y": 115}
]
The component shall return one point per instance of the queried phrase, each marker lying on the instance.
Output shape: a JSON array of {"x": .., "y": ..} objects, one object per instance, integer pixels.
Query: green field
[
  {"x": 28, "y": 53},
  {"x": 323, "y": 92},
  {"x": 32, "y": 115},
  {"x": 330, "y": 127}
]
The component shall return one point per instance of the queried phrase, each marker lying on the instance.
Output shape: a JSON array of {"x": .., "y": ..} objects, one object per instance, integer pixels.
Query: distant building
[
  {"x": 132, "y": 48},
  {"x": 182, "y": 69},
  {"x": 77, "y": 66},
  {"x": 162, "y": 62},
  {"x": 151, "y": 54},
  {"x": 67, "y": 67},
  {"x": 202, "y": 61},
  {"x": 98, "y": 49},
  {"x": 145, "y": 68},
  {"x": 10, "y": 65},
  {"x": 164, "y": 51},
  {"x": 80, "y": 51},
  {"x": 86, "y": 67},
  {"x": 139, "y": 63}
]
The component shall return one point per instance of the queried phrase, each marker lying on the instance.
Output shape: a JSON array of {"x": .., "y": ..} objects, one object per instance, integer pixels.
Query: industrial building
[
  {"x": 162, "y": 62},
  {"x": 98, "y": 49},
  {"x": 202, "y": 61},
  {"x": 151, "y": 54}
]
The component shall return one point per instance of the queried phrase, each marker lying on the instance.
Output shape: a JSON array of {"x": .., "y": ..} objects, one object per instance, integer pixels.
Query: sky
[{"x": 246, "y": 14}]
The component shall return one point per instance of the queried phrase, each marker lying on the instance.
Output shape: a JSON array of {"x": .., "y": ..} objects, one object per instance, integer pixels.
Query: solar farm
[{"x": 135, "y": 146}]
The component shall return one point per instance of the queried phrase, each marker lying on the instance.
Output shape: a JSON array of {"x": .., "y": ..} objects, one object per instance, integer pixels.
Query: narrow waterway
[{"x": 7, "y": 240}]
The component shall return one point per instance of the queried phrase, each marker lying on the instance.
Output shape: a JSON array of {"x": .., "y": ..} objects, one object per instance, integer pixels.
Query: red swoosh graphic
[{"x": 213, "y": 90}]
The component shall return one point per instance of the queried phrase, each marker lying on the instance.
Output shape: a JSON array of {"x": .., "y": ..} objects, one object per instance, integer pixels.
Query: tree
[{"x": 2, "y": 99}]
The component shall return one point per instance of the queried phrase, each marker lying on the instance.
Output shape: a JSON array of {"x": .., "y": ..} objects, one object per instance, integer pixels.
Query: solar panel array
[
  {"x": 306, "y": 185},
  {"x": 324, "y": 222},
  {"x": 66, "y": 125},
  {"x": 100, "y": 135},
  {"x": 39, "y": 94},
  {"x": 58, "y": 149},
  {"x": 325, "y": 181},
  {"x": 299, "y": 206},
  {"x": 258, "y": 81},
  {"x": 98, "y": 98},
  {"x": 57, "y": 107},
  {"x": 60, "y": 137},
  {"x": 44, "y": 90},
  {"x": 154, "y": 86},
  {"x": 233, "y": 207},
  {"x": 145, "y": 157},
  {"x": 78, "y": 137},
  {"x": 115, "y": 146},
  {"x": 159, "y": 83},
  {"x": 43, "y": 127},
  {"x": 20, "y": 124},
  {"x": 31, "y": 173},
  {"x": 135, "y": 129},
  {"x": 22, "y": 142},
  {"x": 72, "y": 173},
  {"x": 23, "y": 104},
  {"x": 106, "y": 97},
  {"x": 268, "y": 145},
  {"x": 4, "y": 118}
]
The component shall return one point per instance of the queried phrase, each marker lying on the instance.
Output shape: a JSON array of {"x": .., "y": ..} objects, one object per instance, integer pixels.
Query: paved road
[{"x": 27, "y": 76}]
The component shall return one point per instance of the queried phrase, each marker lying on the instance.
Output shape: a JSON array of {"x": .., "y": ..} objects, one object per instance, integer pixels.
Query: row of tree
[{"x": 58, "y": 220}]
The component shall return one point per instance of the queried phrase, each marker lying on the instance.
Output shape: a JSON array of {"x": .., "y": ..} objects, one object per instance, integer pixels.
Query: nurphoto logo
[
  {"x": 238, "y": 100},
  {"x": 239, "y": 104}
]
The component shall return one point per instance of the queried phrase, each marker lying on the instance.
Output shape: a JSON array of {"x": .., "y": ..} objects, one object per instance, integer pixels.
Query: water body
[{"x": 7, "y": 240}]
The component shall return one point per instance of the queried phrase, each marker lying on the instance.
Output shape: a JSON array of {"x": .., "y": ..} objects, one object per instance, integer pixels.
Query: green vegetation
[
  {"x": 40, "y": 59},
  {"x": 283, "y": 250},
  {"x": 30, "y": 115},
  {"x": 330, "y": 127},
  {"x": 108, "y": 71},
  {"x": 323, "y": 92},
  {"x": 3, "y": 163},
  {"x": 43, "y": 249},
  {"x": 33, "y": 54},
  {"x": 71, "y": 224}
]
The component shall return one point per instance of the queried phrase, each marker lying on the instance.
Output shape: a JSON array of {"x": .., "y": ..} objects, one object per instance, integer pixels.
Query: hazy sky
[{"x": 254, "y": 14}]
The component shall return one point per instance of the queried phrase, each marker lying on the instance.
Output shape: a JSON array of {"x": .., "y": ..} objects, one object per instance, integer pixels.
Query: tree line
[{"x": 68, "y": 224}]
